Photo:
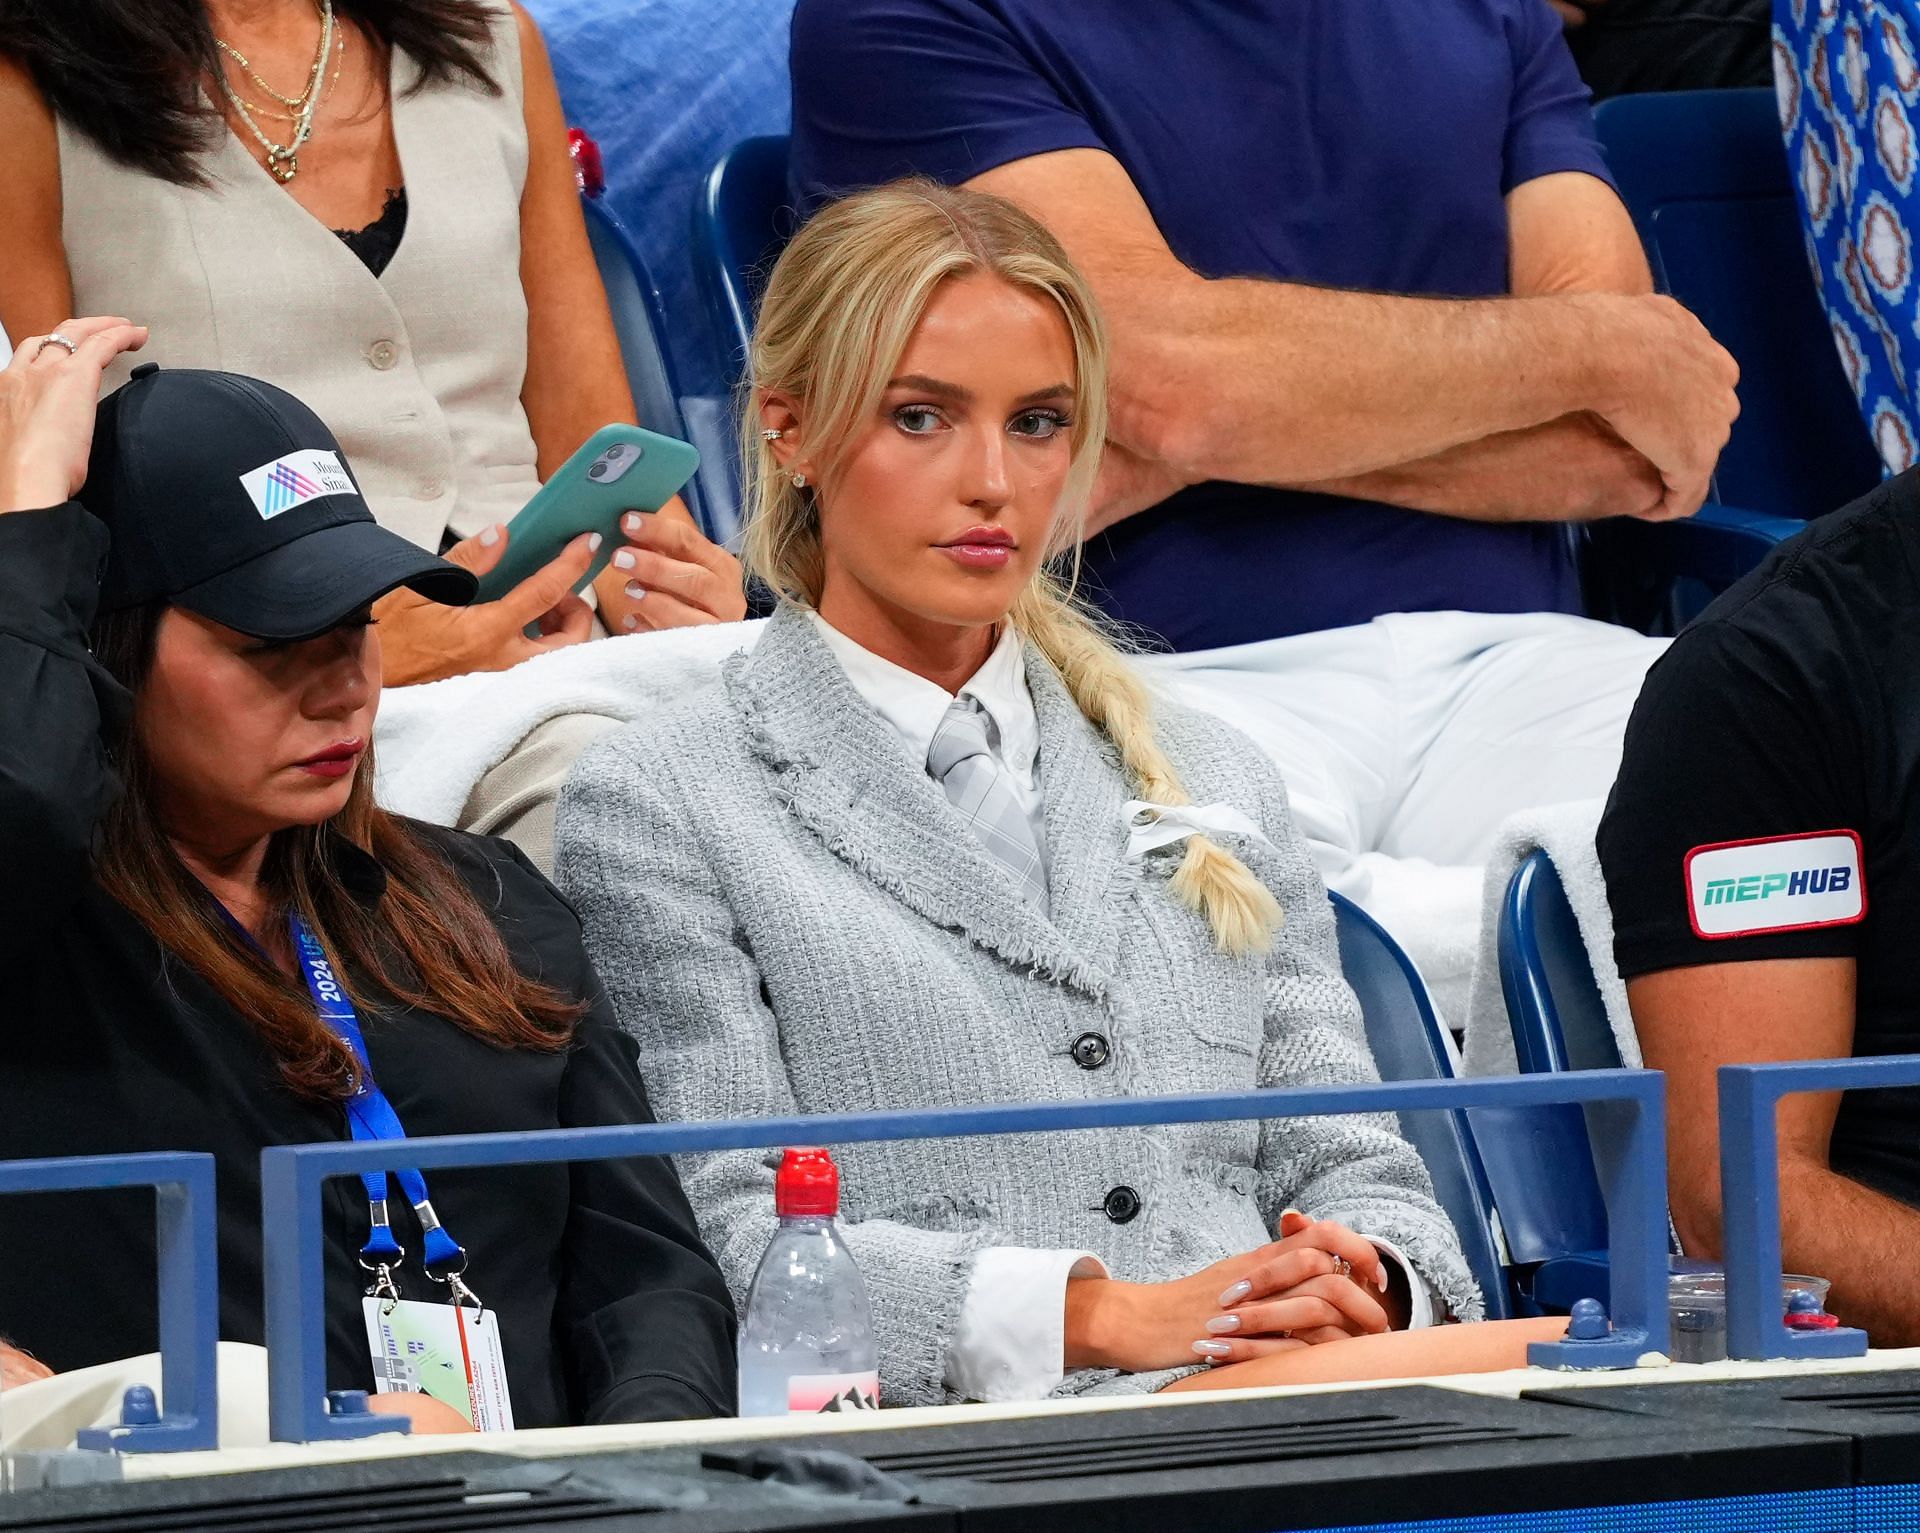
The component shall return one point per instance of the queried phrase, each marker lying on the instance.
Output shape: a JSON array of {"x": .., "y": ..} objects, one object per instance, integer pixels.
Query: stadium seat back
[
  {"x": 742, "y": 219},
  {"x": 1705, "y": 176},
  {"x": 638, "y": 320},
  {"x": 1409, "y": 1043},
  {"x": 1541, "y": 1162}
]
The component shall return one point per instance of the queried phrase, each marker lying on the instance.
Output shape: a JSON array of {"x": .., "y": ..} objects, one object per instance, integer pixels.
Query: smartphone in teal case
[{"x": 618, "y": 469}]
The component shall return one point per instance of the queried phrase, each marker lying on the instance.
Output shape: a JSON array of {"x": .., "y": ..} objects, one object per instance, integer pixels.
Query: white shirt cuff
[
  {"x": 1423, "y": 1304},
  {"x": 1011, "y": 1342}
]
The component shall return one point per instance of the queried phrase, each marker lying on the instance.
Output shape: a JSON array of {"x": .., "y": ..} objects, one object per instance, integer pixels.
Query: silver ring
[
  {"x": 56, "y": 339},
  {"x": 1342, "y": 1267}
]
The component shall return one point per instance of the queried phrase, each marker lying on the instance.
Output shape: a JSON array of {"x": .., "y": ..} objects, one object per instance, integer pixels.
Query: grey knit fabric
[{"x": 790, "y": 918}]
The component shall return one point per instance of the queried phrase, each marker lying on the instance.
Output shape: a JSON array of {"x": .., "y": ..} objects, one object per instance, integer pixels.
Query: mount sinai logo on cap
[{"x": 294, "y": 480}]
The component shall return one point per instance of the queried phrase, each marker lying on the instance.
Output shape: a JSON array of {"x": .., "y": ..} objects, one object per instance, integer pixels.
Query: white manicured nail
[
  {"x": 1236, "y": 1293},
  {"x": 630, "y": 622},
  {"x": 594, "y": 540},
  {"x": 624, "y": 559},
  {"x": 1220, "y": 1324},
  {"x": 635, "y": 590},
  {"x": 633, "y": 522},
  {"x": 1380, "y": 1279},
  {"x": 1212, "y": 1348},
  {"x": 490, "y": 537}
]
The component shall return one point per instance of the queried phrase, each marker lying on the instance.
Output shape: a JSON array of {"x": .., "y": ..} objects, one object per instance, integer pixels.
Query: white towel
[
  {"x": 437, "y": 741},
  {"x": 1565, "y": 833}
]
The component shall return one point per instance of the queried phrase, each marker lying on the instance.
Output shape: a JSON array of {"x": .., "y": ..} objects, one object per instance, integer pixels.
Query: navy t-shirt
[{"x": 1345, "y": 143}]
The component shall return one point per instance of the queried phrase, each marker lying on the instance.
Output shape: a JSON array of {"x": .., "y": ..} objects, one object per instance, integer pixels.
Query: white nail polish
[
  {"x": 489, "y": 537},
  {"x": 1236, "y": 1293},
  {"x": 630, "y": 623},
  {"x": 594, "y": 540},
  {"x": 634, "y": 522},
  {"x": 1212, "y": 1348},
  {"x": 635, "y": 590},
  {"x": 1221, "y": 1324},
  {"x": 1380, "y": 1279},
  {"x": 624, "y": 559}
]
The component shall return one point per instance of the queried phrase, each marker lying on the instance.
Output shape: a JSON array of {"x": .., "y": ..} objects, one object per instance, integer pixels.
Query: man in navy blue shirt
[{"x": 1381, "y": 330}]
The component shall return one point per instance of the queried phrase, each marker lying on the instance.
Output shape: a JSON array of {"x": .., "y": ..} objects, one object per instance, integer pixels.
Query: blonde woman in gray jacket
[{"x": 932, "y": 843}]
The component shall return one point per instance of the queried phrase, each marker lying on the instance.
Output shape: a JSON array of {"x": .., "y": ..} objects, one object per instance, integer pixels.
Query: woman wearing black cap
[{"x": 191, "y": 853}]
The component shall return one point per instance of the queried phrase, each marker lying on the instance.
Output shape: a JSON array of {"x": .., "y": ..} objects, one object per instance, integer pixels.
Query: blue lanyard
[{"x": 371, "y": 1116}]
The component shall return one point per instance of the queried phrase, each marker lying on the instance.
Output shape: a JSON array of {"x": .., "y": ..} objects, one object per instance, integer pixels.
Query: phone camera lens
[{"x": 598, "y": 471}]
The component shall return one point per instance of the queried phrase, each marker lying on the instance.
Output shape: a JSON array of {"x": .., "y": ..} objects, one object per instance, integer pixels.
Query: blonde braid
[{"x": 1210, "y": 880}]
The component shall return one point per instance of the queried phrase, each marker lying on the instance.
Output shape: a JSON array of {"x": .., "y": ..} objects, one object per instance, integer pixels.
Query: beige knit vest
[{"x": 418, "y": 371}]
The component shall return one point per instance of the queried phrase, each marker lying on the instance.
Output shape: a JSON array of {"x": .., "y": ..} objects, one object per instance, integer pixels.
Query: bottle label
[{"x": 809, "y": 1394}]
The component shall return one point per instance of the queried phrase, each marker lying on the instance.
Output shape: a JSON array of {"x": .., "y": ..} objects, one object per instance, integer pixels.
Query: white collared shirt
[
  {"x": 1011, "y": 1341},
  {"x": 914, "y": 707}
]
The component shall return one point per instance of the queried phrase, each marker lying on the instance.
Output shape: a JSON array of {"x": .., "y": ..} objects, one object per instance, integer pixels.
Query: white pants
[{"x": 1406, "y": 741}]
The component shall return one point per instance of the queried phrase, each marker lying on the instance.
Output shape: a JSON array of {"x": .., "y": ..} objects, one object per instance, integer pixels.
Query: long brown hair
[
  {"x": 126, "y": 73},
  {"x": 428, "y": 945}
]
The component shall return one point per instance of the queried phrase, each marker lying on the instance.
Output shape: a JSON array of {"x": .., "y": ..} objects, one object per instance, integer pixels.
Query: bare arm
[
  {"x": 1566, "y": 233},
  {"x": 1278, "y": 383},
  {"x": 1692, "y": 1021},
  {"x": 576, "y": 382},
  {"x": 36, "y": 293}
]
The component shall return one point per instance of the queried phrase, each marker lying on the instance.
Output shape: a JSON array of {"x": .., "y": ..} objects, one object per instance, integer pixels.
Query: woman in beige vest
[{"x": 370, "y": 204}]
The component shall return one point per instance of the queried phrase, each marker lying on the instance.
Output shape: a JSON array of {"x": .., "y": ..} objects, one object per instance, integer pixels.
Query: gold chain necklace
[
  {"x": 340, "y": 60},
  {"x": 283, "y": 160}
]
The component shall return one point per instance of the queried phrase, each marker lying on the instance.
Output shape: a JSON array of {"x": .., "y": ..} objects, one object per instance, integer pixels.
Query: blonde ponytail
[
  {"x": 1240, "y": 909},
  {"x": 841, "y": 305}
]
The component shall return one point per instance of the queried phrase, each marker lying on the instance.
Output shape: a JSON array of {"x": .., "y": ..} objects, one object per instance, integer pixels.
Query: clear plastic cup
[{"x": 1697, "y": 1311}]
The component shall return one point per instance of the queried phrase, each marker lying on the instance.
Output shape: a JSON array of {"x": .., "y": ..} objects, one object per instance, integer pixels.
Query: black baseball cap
[{"x": 228, "y": 497}]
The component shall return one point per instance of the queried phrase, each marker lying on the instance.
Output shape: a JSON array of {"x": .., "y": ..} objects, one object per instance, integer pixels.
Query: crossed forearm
[
  {"x": 1571, "y": 469},
  {"x": 1382, "y": 381}
]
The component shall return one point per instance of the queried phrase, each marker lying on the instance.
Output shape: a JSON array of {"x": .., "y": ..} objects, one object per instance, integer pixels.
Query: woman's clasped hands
[{"x": 1318, "y": 1282}]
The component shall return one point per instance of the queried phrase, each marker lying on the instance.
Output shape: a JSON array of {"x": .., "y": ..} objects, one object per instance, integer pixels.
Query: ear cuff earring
[{"x": 772, "y": 434}]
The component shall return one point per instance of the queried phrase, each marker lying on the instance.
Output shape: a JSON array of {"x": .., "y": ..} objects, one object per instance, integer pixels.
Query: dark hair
[
  {"x": 125, "y": 72},
  {"x": 429, "y": 946}
]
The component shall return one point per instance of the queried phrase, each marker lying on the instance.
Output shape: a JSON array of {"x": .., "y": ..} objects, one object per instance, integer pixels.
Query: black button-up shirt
[{"x": 610, "y": 1308}]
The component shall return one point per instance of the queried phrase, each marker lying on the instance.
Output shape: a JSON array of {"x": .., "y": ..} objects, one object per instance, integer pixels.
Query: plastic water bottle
[{"x": 806, "y": 1343}]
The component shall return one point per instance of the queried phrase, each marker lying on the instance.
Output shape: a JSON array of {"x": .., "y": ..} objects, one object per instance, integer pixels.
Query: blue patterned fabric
[
  {"x": 1848, "y": 77},
  {"x": 666, "y": 86}
]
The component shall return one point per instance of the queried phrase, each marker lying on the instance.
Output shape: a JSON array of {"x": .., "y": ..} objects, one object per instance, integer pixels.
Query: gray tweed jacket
[{"x": 791, "y": 918}]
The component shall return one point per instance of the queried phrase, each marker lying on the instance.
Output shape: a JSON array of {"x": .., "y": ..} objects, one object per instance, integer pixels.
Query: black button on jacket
[{"x": 610, "y": 1307}]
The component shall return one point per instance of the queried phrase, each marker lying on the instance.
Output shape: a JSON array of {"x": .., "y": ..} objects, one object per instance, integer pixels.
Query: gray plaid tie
[{"x": 961, "y": 760}]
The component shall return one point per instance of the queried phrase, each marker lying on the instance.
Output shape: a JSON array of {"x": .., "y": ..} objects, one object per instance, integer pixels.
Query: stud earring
[
  {"x": 799, "y": 481},
  {"x": 772, "y": 434}
]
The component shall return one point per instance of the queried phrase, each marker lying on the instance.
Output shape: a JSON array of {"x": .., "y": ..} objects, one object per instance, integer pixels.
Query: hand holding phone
[{"x": 618, "y": 469}]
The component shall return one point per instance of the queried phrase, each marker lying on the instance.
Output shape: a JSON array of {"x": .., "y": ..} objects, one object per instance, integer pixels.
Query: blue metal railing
[
  {"x": 1750, "y": 1196},
  {"x": 187, "y": 1247},
  {"x": 292, "y": 1177}
]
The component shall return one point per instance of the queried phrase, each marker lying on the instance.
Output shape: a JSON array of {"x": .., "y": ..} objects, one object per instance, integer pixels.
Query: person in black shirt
[
  {"x": 174, "y": 804},
  {"x": 1625, "y": 46},
  {"x": 1762, "y": 856}
]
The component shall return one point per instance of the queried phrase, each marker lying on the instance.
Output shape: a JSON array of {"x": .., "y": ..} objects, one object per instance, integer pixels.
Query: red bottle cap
[
  {"x": 807, "y": 1185},
  {"x": 589, "y": 173}
]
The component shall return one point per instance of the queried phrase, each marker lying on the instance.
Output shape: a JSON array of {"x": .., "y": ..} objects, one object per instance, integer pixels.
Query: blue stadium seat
[
  {"x": 1541, "y": 1163},
  {"x": 743, "y": 218},
  {"x": 1409, "y": 1043},
  {"x": 746, "y": 214},
  {"x": 713, "y": 496},
  {"x": 1705, "y": 175}
]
